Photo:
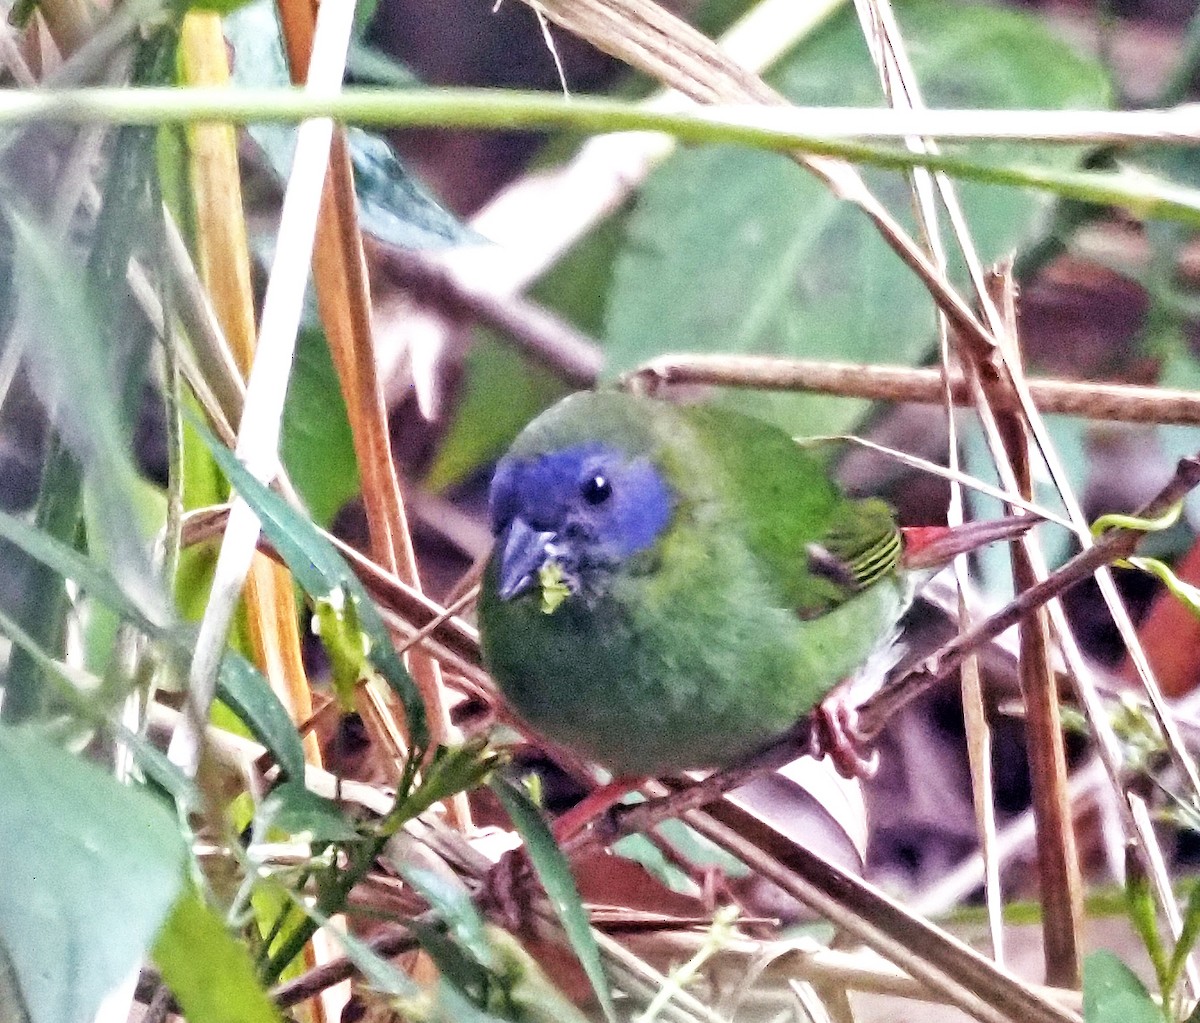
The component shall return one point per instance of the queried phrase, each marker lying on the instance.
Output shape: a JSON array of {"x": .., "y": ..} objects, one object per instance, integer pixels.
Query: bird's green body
[{"x": 763, "y": 588}]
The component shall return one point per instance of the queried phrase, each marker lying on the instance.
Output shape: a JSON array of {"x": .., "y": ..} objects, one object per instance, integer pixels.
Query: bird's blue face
[{"x": 578, "y": 513}]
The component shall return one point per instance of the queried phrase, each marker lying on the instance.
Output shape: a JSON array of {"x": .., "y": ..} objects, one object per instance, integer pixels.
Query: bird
[{"x": 672, "y": 587}]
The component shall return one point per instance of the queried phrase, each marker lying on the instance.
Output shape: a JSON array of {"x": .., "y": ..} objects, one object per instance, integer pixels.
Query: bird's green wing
[{"x": 818, "y": 546}]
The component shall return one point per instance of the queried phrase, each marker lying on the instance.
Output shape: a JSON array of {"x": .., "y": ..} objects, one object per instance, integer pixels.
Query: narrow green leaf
[
  {"x": 454, "y": 769},
  {"x": 1187, "y": 937},
  {"x": 555, "y": 874},
  {"x": 532, "y": 997},
  {"x": 1143, "y": 914},
  {"x": 208, "y": 971},
  {"x": 453, "y": 904},
  {"x": 88, "y": 872},
  {"x": 1112, "y": 993},
  {"x": 392, "y": 204},
  {"x": 241, "y": 686},
  {"x": 246, "y": 691},
  {"x": 89, "y": 575},
  {"x": 456, "y": 966},
  {"x": 320, "y": 571}
]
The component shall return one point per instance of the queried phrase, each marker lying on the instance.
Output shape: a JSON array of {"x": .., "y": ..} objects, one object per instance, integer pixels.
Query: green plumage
[{"x": 766, "y": 588}]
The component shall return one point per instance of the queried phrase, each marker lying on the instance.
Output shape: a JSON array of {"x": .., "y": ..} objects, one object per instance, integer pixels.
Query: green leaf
[
  {"x": 484, "y": 423},
  {"x": 1143, "y": 914},
  {"x": 453, "y": 904},
  {"x": 336, "y": 622},
  {"x": 91, "y": 577},
  {"x": 68, "y": 358},
  {"x": 88, "y": 872},
  {"x": 739, "y": 251},
  {"x": 453, "y": 769},
  {"x": 294, "y": 809},
  {"x": 1187, "y": 937},
  {"x": 367, "y": 65},
  {"x": 208, "y": 971},
  {"x": 317, "y": 447},
  {"x": 1112, "y": 992},
  {"x": 446, "y": 1005},
  {"x": 392, "y": 205},
  {"x": 555, "y": 874},
  {"x": 320, "y": 570},
  {"x": 246, "y": 692},
  {"x": 240, "y": 685}
]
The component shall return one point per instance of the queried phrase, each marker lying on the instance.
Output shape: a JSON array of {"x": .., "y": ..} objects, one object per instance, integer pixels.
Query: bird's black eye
[{"x": 596, "y": 490}]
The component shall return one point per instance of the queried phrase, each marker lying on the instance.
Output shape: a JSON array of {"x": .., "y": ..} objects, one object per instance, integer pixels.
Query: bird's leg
[
  {"x": 599, "y": 801},
  {"x": 835, "y": 735}
]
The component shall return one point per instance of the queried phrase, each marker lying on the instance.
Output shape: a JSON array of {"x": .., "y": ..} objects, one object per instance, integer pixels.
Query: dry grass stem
[
  {"x": 928, "y": 954},
  {"x": 1060, "y": 885}
]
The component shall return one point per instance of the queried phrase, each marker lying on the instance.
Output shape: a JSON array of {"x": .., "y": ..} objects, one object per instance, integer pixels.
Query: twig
[
  {"x": 1126, "y": 403},
  {"x": 541, "y": 334}
]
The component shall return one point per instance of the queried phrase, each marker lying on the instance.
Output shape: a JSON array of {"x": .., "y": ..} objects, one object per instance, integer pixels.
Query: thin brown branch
[
  {"x": 1126, "y": 403},
  {"x": 542, "y": 335}
]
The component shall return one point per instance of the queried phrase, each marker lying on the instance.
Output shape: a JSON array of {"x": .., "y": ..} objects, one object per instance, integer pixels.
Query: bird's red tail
[{"x": 935, "y": 546}]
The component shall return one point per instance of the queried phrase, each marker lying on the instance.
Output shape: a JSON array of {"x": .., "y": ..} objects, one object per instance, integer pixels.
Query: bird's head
[{"x": 566, "y": 519}]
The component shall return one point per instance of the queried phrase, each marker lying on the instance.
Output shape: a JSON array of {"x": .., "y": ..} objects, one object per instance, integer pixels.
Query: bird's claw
[{"x": 835, "y": 734}]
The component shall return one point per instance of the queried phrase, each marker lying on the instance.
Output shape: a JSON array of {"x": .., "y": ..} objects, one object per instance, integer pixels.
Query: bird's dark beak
[{"x": 522, "y": 558}]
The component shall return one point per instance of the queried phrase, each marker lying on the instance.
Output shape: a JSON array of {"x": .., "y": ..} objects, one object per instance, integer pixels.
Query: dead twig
[{"x": 1109, "y": 402}]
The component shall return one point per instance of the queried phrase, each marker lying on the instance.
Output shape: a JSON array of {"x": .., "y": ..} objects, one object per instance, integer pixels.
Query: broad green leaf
[
  {"x": 392, "y": 205},
  {"x": 555, "y": 874},
  {"x": 320, "y": 571},
  {"x": 732, "y": 250},
  {"x": 88, "y": 872},
  {"x": 503, "y": 389},
  {"x": 294, "y": 809},
  {"x": 317, "y": 447},
  {"x": 207, "y": 970},
  {"x": 484, "y": 422},
  {"x": 1112, "y": 992}
]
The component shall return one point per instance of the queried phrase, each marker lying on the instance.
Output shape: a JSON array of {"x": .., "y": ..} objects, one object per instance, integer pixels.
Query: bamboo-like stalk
[
  {"x": 344, "y": 300},
  {"x": 1060, "y": 886},
  {"x": 223, "y": 258}
]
